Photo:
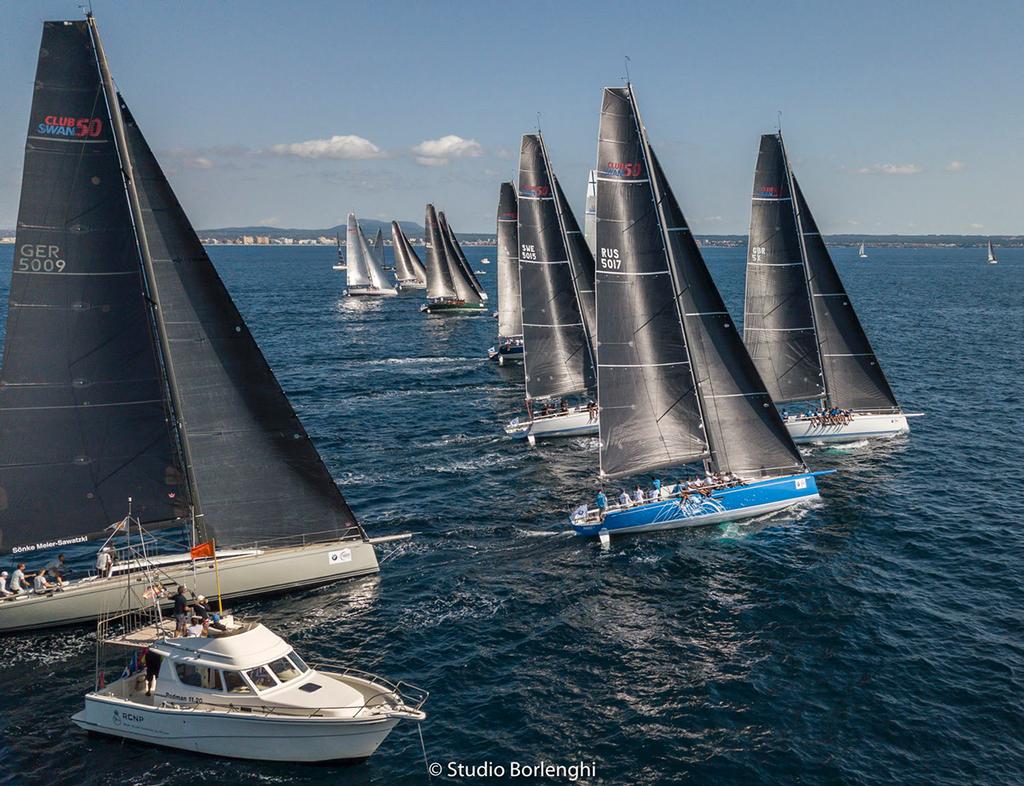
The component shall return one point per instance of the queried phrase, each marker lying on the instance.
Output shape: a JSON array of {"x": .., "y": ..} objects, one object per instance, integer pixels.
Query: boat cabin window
[
  {"x": 261, "y": 678},
  {"x": 302, "y": 667},
  {"x": 198, "y": 676},
  {"x": 284, "y": 669},
  {"x": 235, "y": 683}
]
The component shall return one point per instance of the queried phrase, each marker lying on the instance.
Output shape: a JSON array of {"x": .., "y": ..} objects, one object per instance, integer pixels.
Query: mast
[
  {"x": 667, "y": 247},
  {"x": 826, "y": 400},
  {"x": 121, "y": 145}
]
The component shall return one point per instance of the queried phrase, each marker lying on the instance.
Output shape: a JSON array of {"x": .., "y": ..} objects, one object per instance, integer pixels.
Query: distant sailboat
[
  {"x": 558, "y": 355},
  {"x": 862, "y": 253},
  {"x": 340, "y": 263},
  {"x": 131, "y": 381},
  {"x": 408, "y": 268},
  {"x": 365, "y": 278},
  {"x": 590, "y": 213},
  {"x": 800, "y": 325},
  {"x": 378, "y": 251},
  {"x": 510, "y": 315},
  {"x": 676, "y": 384},
  {"x": 455, "y": 250},
  {"x": 992, "y": 254},
  {"x": 449, "y": 287}
]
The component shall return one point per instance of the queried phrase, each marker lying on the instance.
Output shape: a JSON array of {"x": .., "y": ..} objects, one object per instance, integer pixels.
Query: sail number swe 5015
[{"x": 39, "y": 258}]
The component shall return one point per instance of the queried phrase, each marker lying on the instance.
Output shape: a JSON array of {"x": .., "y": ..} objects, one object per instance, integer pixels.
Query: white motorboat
[{"x": 244, "y": 693}]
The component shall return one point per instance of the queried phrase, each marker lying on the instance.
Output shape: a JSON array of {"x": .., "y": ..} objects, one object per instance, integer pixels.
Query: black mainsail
[
  {"x": 676, "y": 381},
  {"x": 407, "y": 263},
  {"x": 510, "y": 315},
  {"x": 853, "y": 376},
  {"x": 128, "y": 371},
  {"x": 581, "y": 263},
  {"x": 83, "y": 413},
  {"x": 556, "y": 351},
  {"x": 439, "y": 277},
  {"x": 778, "y": 326}
]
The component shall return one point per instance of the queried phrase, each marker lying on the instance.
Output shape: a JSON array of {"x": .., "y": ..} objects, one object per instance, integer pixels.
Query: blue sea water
[{"x": 876, "y": 637}]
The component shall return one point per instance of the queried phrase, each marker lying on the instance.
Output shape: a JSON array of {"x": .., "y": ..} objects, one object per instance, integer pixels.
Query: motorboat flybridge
[
  {"x": 408, "y": 268},
  {"x": 364, "y": 277},
  {"x": 129, "y": 372},
  {"x": 451, "y": 285},
  {"x": 509, "y": 348},
  {"x": 799, "y": 322},
  {"x": 675, "y": 383},
  {"x": 556, "y": 272},
  {"x": 238, "y": 690}
]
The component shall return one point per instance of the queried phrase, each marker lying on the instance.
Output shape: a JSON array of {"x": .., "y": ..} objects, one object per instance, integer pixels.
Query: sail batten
[
  {"x": 556, "y": 351},
  {"x": 510, "y": 314}
]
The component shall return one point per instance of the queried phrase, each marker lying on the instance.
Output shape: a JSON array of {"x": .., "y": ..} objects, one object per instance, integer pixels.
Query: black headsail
[
  {"x": 407, "y": 263},
  {"x": 650, "y": 411},
  {"x": 744, "y": 429},
  {"x": 466, "y": 286},
  {"x": 457, "y": 259},
  {"x": 510, "y": 314},
  {"x": 557, "y": 354},
  {"x": 378, "y": 247},
  {"x": 257, "y": 474},
  {"x": 83, "y": 416},
  {"x": 778, "y": 326},
  {"x": 581, "y": 262},
  {"x": 439, "y": 277},
  {"x": 853, "y": 376}
]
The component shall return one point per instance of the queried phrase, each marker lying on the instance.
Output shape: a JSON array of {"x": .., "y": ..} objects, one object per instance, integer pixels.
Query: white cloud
[
  {"x": 955, "y": 166},
  {"x": 199, "y": 162},
  {"x": 891, "y": 169},
  {"x": 347, "y": 147},
  {"x": 438, "y": 152},
  {"x": 853, "y": 222},
  {"x": 976, "y": 226}
]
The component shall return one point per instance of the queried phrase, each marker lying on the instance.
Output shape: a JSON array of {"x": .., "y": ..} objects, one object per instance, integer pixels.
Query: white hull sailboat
[
  {"x": 861, "y": 252},
  {"x": 556, "y": 275},
  {"x": 509, "y": 348},
  {"x": 408, "y": 268},
  {"x": 799, "y": 322},
  {"x": 365, "y": 277},
  {"x": 161, "y": 399},
  {"x": 992, "y": 255}
]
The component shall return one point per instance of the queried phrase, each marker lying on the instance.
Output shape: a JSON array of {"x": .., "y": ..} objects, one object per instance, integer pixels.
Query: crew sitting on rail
[
  {"x": 40, "y": 585},
  {"x": 563, "y": 407},
  {"x": 18, "y": 579},
  {"x": 4, "y": 592},
  {"x": 624, "y": 500}
]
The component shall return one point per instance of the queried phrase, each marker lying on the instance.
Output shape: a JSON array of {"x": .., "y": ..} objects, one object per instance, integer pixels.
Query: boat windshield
[
  {"x": 284, "y": 669},
  {"x": 261, "y": 677}
]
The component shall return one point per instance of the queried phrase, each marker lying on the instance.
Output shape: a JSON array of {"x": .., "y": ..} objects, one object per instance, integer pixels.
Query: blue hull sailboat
[{"x": 675, "y": 383}]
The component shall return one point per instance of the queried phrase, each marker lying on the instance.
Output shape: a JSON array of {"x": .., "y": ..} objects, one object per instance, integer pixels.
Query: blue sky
[{"x": 901, "y": 117}]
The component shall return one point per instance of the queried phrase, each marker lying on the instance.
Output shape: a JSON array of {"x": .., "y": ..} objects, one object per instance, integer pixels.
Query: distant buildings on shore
[{"x": 323, "y": 240}]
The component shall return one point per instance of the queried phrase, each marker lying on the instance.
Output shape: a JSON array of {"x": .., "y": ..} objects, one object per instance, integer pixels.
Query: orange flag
[{"x": 202, "y": 550}]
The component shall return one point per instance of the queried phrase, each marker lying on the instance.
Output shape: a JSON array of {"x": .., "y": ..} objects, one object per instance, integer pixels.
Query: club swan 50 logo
[{"x": 80, "y": 127}]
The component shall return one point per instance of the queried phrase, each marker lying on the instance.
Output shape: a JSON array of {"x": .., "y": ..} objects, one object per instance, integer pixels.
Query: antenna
[
  {"x": 538, "y": 122},
  {"x": 778, "y": 114},
  {"x": 627, "y": 70}
]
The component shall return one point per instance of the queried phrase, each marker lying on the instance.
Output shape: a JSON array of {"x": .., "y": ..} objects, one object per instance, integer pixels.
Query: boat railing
[
  {"x": 303, "y": 539},
  {"x": 587, "y": 514},
  {"x": 412, "y": 696}
]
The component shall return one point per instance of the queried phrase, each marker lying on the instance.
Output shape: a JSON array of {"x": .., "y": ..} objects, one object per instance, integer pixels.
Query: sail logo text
[
  {"x": 610, "y": 259},
  {"x": 527, "y": 252},
  {"x": 620, "y": 169},
  {"x": 58, "y": 125},
  {"x": 769, "y": 192},
  {"x": 537, "y": 191}
]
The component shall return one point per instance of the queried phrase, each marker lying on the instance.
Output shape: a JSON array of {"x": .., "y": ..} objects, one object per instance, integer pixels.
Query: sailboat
[
  {"x": 340, "y": 264},
  {"x": 558, "y": 353},
  {"x": 378, "y": 251},
  {"x": 992, "y": 255},
  {"x": 590, "y": 213},
  {"x": 675, "y": 383},
  {"x": 449, "y": 287},
  {"x": 454, "y": 250},
  {"x": 862, "y": 253},
  {"x": 800, "y": 325},
  {"x": 129, "y": 374},
  {"x": 408, "y": 268},
  {"x": 510, "y": 316},
  {"x": 365, "y": 278}
]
